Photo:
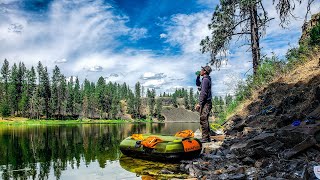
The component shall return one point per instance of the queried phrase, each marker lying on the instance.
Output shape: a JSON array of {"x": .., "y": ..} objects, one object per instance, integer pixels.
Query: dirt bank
[{"x": 275, "y": 136}]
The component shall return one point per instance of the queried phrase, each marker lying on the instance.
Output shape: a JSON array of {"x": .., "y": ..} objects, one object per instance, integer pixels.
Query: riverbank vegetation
[
  {"x": 272, "y": 68},
  {"x": 26, "y": 121}
]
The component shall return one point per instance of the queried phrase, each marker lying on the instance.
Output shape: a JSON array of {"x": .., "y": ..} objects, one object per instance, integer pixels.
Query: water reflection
[
  {"x": 42, "y": 152},
  {"x": 151, "y": 169}
]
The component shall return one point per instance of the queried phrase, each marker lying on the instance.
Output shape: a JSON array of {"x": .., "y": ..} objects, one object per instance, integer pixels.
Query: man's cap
[{"x": 207, "y": 69}]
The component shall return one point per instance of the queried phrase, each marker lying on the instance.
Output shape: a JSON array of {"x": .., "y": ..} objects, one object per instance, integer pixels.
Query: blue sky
[{"x": 151, "y": 41}]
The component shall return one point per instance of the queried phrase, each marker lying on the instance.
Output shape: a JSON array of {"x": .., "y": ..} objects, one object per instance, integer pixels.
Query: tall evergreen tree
[
  {"x": 40, "y": 91},
  {"x": 191, "y": 99},
  {"x": 13, "y": 89},
  {"x": 130, "y": 103},
  {"x": 5, "y": 76},
  {"x": 70, "y": 97},
  {"x": 62, "y": 105},
  {"x": 186, "y": 100},
  {"x": 86, "y": 98},
  {"x": 216, "y": 105},
  {"x": 55, "y": 89},
  {"x": 235, "y": 18},
  {"x": 77, "y": 97},
  {"x": 228, "y": 100},
  {"x": 137, "y": 104},
  {"x": 93, "y": 105},
  {"x": 101, "y": 95},
  {"x": 46, "y": 92},
  {"x": 29, "y": 90},
  {"x": 151, "y": 101},
  {"x": 21, "y": 83},
  {"x": 174, "y": 100},
  {"x": 158, "y": 109},
  {"x": 221, "y": 104}
]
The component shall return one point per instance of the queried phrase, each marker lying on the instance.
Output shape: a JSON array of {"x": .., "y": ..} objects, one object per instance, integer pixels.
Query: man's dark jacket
[{"x": 205, "y": 94}]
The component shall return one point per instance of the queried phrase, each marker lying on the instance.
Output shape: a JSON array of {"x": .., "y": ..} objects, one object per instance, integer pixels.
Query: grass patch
[{"x": 60, "y": 122}]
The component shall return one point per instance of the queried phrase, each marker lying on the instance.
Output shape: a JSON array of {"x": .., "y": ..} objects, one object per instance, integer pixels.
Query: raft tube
[{"x": 170, "y": 149}]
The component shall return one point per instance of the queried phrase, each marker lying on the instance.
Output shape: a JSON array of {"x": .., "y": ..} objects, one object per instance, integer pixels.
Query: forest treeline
[{"x": 34, "y": 94}]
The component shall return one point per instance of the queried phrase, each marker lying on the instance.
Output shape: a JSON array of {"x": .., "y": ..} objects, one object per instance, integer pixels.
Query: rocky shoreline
[{"x": 290, "y": 152}]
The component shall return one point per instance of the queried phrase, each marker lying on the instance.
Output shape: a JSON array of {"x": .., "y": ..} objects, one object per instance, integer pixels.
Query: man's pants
[{"x": 204, "y": 122}]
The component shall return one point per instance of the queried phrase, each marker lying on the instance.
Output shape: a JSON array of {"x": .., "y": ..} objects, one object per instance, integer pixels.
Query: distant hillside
[{"x": 172, "y": 114}]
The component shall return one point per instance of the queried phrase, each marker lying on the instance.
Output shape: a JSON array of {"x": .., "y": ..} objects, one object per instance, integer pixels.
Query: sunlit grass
[{"x": 25, "y": 121}]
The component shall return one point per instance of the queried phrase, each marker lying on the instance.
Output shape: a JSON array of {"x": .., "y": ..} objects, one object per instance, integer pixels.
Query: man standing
[{"x": 205, "y": 101}]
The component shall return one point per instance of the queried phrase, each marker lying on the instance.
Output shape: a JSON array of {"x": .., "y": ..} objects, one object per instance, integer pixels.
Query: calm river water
[{"x": 87, "y": 151}]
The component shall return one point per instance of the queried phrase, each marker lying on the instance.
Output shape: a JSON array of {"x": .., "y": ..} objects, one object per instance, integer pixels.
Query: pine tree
[
  {"x": 21, "y": 83},
  {"x": 115, "y": 107},
  {"x": 70, "y": 97},
  {"x": 5, "y": 75},
  {"x": 174, "y": 100},
  {"x": 62, "y": 96},
  {"x": 228, "y": 100},
  {"x": 216, "y": 105},
  {"x": 29, "y": 90},
  {"x": 35, "y": 104},
  {"x": 191, "y": 99},
  {"x": 55, "y": 89},
  {"x": 196, "y": 97},
  {"x": 13, "y": 89},
  {"x": 101, "y": 95},
  {"x": 186, "y": 100},
  {"x": 86, "y": 98},
  {"x": 221, "y": 104},
  {"x": 137, "y": 103},
  {"x": 151, "y": 101},
  {"x": 24, "y": 101},
  {"x": 93, "y": 105},
  {"x": 158, "y": 109},
  {"x": 46, "y": 92},
  {"x": 130, "y": 102},
  {"x": 236, "y": 18},
  {"x": 77, "y": 97},
  {"x": 40, "y": 90},
  {"x": 85, "y": 104}
]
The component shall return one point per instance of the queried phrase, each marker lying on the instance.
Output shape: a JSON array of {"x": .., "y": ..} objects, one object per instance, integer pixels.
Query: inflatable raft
[{"x": 162, "y": 147}]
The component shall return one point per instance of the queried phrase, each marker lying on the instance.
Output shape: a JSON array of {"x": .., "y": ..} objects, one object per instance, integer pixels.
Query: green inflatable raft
[{"x": 161, "y": 147}]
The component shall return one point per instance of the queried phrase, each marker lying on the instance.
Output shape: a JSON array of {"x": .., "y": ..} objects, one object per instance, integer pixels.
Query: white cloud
[
  {"x": 71, "y": 33},
  {"x": 155, "y": 83},
  {"x": 7, "y": 1},
  {"x": 60, "y": 61},
  {"x": 95, "y": 69},
  {"x": 150, "y": 75},
  {"x": 187, "y": 30},
  {"x": 138, "y": 33},
  {"x": 162, "y": 35}
]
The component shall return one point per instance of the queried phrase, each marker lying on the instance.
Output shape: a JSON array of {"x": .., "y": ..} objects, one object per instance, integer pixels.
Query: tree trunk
[{"x": 254, "y": 37}]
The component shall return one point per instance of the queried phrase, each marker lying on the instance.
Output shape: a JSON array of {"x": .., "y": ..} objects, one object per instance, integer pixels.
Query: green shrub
[
  {"x": 297, "y": 56},
  {"x": 5, "y": 110},
  {"x": 268, "y": 69},
  {"x": 315, "y": 35}
]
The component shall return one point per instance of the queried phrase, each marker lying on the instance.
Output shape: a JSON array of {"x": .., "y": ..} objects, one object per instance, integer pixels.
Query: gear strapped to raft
[
  {"x": 185, "y": 134},
  {"x": 152, "y": 141}
]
